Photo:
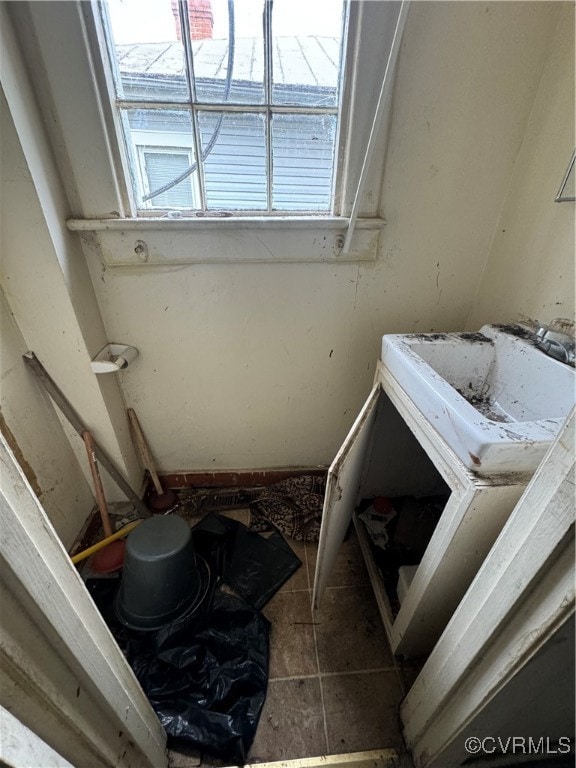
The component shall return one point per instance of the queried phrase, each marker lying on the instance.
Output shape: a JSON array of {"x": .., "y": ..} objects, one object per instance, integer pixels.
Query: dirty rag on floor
[
  {"x": 293, "y": 506},
  {"x": 206, "y": 675}
]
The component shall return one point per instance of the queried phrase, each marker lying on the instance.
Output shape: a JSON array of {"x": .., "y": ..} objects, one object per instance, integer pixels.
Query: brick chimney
[{"x": 200, "y": 19}]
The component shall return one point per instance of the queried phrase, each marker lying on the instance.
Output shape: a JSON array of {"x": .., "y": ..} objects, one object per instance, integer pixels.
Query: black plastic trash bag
[
  {"x": 259, "y": 566},
  {"x": 206, "y": 677},
  {"x": 253, "y": 565}
]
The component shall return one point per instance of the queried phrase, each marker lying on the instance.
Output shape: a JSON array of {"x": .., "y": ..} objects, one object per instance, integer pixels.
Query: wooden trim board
[
  {"x": 377, "y": 758},
  {"x": 21, "y": 746},
  {"x": 37, "y": 570},
  {"x": 243, "y": 478},
  {"x": 235, "y": 478}
]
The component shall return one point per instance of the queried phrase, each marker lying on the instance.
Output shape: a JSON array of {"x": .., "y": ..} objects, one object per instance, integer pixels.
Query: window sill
[
  {"x": 216, "y": 221},
  {"x": 148, "y": 241}
]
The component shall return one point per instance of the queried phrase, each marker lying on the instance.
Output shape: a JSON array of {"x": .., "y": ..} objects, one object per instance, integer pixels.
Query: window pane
[
  {"x": 229, "y": 63},
  {"x": 306, "y": 44},
  {"x": 160, "y": 149},
  {"x": 147, "y": 53},
  {"x": 161, "y": 168},
  {"x": 302, "y": 161},
  {"x": 234, "y": 153}
]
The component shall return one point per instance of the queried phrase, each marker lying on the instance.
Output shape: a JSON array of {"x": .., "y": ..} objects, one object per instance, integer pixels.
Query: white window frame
[
  {"x": 59, "y": 42},
  {"x": 106, "y": 56},
  {"x": 144, "y": 144}
]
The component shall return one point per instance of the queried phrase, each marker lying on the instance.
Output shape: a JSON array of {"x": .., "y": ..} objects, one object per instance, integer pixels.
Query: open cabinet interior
[
  {"x": 444, "y": 518},
  {"x": 396, "y": 463},
  {"x": 401, "y": 497}
]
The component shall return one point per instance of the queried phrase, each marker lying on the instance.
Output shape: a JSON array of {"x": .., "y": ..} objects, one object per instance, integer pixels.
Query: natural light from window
[{"x": 228, "y": 105}]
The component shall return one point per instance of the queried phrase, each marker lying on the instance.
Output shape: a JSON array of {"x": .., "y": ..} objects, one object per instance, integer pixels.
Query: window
[
  {"x": 159, "y": 167},
  {"x": 228, "y": 105},
  {"x": 103, "y": 124}
]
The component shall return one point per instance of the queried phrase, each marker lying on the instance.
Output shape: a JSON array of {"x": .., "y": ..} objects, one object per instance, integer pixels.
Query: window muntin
[
  {"x": 263, "y": 109},
  {"x": 167, "y": 131}
]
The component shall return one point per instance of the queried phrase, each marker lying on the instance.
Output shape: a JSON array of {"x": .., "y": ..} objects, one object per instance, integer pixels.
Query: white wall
[
  {"x": 37, "y": 437},
  {"x": 530, "y": 269},
  {"x": 47, "y": 286},
  {"x": 254, "y": 365}
]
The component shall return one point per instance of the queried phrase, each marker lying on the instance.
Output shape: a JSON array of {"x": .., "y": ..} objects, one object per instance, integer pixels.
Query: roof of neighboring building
[{"x": 304, "y": 61}]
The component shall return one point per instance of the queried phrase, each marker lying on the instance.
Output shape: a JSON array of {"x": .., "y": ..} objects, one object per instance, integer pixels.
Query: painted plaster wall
[
  {"x": 253, "y": 365},
  {"x": 530, "y": 269},
  {"x": 48, "y": 288},
  {"x": 467, "y": 77},
  {"x": 36, "y": 436}
]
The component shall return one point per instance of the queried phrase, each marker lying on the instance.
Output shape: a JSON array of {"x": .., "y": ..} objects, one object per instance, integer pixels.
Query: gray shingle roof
[{"x": 308, "y": 61}]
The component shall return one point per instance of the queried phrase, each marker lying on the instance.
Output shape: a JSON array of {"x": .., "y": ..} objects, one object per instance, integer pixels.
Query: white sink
[{"x": 495, "y": 399}]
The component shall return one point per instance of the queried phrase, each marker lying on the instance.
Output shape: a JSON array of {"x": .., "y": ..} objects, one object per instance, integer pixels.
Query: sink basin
[{"x": 495, "y": 399}]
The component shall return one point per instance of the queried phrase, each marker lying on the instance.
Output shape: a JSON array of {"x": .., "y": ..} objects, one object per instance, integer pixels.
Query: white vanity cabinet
[{"x": 392, "y": 450}]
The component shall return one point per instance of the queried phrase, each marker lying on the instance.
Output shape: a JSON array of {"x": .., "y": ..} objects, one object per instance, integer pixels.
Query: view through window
[{"x": 228, "y": 105}]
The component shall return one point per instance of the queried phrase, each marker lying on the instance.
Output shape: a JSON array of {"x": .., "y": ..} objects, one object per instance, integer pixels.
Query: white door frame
[
  {"x": 522, "y": 594},
  {"x": 61, "y": 672},
  {"x": 21, "y": 746}
]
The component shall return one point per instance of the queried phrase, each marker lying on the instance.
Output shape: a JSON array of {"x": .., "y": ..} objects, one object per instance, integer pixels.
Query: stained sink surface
[{"x": 496, "y": 399}]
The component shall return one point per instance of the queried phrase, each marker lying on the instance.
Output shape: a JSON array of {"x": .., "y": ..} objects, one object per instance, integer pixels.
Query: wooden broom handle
[
  {"x": 143, "y": 448},
  {"x": 100, "y": 498},
  {"x": 50, "y": 386}
]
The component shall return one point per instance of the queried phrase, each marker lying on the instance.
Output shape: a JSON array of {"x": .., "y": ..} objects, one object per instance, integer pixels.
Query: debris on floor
[
  {"x": 293, "y": 505},
  {"x": 400, "y": 529},
  {"x": 195, "y": 503},
  {"x": 376, "y": 519},
  {"x": 206, "y": 673}
]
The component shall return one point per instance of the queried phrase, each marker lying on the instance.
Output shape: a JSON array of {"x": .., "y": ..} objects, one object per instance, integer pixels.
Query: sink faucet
[{"x": 555, "y": 343}]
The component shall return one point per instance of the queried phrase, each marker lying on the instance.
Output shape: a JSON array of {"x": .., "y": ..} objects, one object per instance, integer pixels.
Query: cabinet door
[{"x": 342, "y": 491}]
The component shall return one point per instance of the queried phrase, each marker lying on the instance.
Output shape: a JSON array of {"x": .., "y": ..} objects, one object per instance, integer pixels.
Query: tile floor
[{"x": 333, "y": 686}]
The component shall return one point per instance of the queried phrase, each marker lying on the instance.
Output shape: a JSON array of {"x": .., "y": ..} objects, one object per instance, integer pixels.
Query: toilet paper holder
[{"x": 113, "y": 358}]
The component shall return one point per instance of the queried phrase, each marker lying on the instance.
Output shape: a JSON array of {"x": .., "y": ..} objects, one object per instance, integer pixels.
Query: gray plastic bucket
[{"x": 160, "y": 580}]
